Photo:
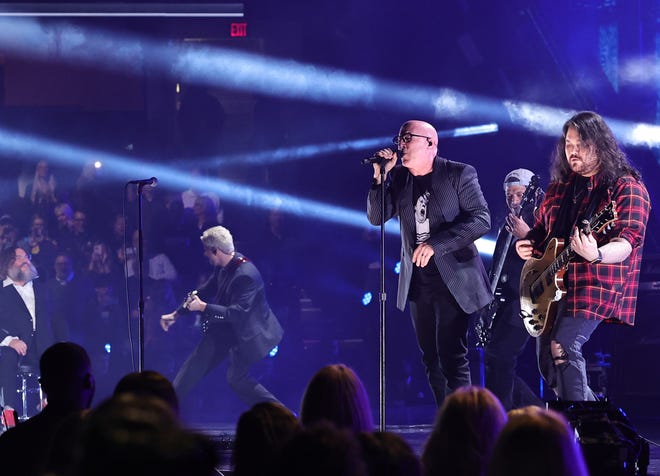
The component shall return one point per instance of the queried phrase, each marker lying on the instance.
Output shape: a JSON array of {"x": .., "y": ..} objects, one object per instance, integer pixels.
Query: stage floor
[{"x": 222, "y": 434}]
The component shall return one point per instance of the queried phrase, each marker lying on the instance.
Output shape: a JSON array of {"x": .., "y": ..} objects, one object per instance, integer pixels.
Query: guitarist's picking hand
[
  {"x": 584, "y": 245},
  {"x": 516, "y": 226},
  {"x": 166, "y": 321},
  {"x": 524, "y": 248},
  {"x": 422, "y": 255},
  {"x": 195, "y": 304}
]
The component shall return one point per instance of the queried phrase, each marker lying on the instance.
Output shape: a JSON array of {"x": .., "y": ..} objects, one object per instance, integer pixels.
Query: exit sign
[{"x": 238, "y": 29}]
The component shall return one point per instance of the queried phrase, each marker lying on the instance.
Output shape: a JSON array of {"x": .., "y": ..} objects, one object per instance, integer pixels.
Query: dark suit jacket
[
  {"x": 458, "y": 215},
  {"x": 15, "y": 319},
  {"x": 235, "y": 295}
]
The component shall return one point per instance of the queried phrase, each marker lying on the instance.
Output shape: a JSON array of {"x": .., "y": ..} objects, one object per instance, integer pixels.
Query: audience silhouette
[
  {"x": 536, "y": 441},
  {"x": 464, "y": 433},
  {"x": 336, "y": 393},
  {"x": 263, "y": 430},
  {"x": 67, "y": 381}
]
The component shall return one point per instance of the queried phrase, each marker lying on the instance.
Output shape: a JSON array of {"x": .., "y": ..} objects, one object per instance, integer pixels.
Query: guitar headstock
[
  {"x": 602, "y": 221},
  {"x": 530, "y": 193}
]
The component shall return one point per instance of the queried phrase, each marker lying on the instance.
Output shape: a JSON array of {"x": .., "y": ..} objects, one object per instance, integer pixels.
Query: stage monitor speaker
[{"x": 609, "y": 442}]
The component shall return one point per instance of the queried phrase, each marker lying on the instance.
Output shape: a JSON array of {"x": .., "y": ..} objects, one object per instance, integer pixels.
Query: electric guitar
[
  {"x": 184, "y": 305},
  {"x": 542, "y": 279},
  {"x": 486, "y": 319},
  {"x": 189, "y": 298}
]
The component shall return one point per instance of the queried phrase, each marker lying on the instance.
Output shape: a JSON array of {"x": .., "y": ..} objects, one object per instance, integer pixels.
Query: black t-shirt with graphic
[{"x": 426, "y": 280}]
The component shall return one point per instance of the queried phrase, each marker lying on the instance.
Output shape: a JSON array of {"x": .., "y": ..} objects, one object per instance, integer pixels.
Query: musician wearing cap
[
  {"x": 585, "y": 248},
  {"x": 502, "y": 331},
  {"x": 236, "y": 319},
  {"x": 441, "y": 212}
]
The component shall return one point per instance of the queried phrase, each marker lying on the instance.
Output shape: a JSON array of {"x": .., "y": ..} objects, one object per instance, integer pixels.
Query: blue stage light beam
[
  {"x": 33, "y": 149},
  {"x": 124, "y": 168},
  {"x": 289, "y": 154},
  {"x": 227, "y": 68}
]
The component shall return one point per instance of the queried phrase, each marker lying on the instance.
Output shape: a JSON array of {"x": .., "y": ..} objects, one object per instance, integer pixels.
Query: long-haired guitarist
[
  {"x": 505, "y": 337},
  {"x": 237, "y": 321},
  {"x": 582, "y": 270}
]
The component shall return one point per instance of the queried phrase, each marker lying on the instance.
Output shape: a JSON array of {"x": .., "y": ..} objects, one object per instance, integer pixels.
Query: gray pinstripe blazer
[{"x": 458, "y": 215}]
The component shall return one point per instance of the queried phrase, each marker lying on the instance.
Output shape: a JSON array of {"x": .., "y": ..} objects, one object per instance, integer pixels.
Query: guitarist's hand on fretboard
[
  {"x": 516, "y": 226},
  {"x": 584, "y": 244}
]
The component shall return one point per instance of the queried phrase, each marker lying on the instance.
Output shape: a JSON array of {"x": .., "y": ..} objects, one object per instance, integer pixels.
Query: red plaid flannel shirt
[{"x": 601, "y": 291}]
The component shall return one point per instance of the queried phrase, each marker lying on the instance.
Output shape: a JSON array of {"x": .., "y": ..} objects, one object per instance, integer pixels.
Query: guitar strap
[
  {"x": 569, "y": 213},
  {"x": 227, "y": 273},
  {"x": 597, "y": 195}
]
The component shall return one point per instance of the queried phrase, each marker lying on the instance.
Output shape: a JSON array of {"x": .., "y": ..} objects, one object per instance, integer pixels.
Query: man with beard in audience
[{"x": 25, "y": 323}]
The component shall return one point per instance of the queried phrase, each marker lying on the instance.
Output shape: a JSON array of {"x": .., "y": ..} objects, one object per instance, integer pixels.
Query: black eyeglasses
[{"x": 407, "y": 137}]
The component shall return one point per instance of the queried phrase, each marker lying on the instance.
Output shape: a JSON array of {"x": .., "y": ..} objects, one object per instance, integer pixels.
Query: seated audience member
[
  {"x": 464, "y": 433},
  {"x": 103, "y": 334},
  {"x": 148, "y": 383},
  {"x": 102, "y": 263},
  {"x": 26, "y": 326},
  {"x": 336, "y": 393},
  {"x": 67, "y": 381},
  {"x": 206, "y": 213},
  {"x": 8, "y": 232},
  {"x": 133, "y": 435},
  {"x": 61, "y": 232},
  {"x": 388, "y": 454},
  {"x": 41, "y": 194},
  {"x": 68, "y": 293},
  {"x": 81, "y": 240},
  {"x": 40, "y": 246},
  {"x": 322, "y": 450},
  {"x": 263, "y": 430},
  {"x": 536, "y": 441}
]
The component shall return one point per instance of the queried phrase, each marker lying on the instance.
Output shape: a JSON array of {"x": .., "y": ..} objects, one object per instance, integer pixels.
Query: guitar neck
[
  {"x": 561, "y": 260},
  {"x": 500, "y": 263}
]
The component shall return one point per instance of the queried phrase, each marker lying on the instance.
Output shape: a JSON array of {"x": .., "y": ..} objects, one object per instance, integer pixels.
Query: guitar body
[
  {"x": 539, "y": 297},
  {"x": 486, "y": 318}
]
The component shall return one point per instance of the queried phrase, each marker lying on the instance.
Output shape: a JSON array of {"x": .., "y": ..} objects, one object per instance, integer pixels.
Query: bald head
[
  {"x": 422, "y": 128},
  {"x": 418, "y": 146}
]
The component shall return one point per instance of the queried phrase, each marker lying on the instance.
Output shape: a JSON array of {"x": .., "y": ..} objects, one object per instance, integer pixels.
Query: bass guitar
[
  {"x": 542, "y": 279},
  {"x": 486, "y": 318}
]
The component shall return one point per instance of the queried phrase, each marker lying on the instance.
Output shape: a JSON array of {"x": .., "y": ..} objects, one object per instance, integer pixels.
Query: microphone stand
[
  {"x": 382, "y": 298},
  {"x": 140, "y": 283}
]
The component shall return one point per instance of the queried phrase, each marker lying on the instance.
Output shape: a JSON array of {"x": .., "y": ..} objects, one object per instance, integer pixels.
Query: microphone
[
  {"x": 153, "y": 181},
  {"x": 374, "y": 159}
]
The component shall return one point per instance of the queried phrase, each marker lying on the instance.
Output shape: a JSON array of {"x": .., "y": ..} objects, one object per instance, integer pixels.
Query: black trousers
[
  {"x": 217, "y": 344},
  {"x": 508, "y": 340},
  {"x": 441, "y": 328}
]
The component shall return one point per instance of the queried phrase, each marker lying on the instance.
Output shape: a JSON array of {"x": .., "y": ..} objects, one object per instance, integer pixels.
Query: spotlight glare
[
  {"x": 645, "y": 134},
  {"x": 98, "y": 164},
  {"x": 486, "y": 246},
  {"x": 273, "y": 352}
]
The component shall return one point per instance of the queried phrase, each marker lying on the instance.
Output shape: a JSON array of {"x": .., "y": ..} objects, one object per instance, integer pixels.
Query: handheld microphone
[
  {"x": 153, "y": 181},
  {"x": 374, "y": 159}
]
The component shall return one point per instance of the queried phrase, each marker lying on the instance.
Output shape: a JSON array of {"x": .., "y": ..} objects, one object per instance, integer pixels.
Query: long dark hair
[{"x": 594, "y": 132}]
